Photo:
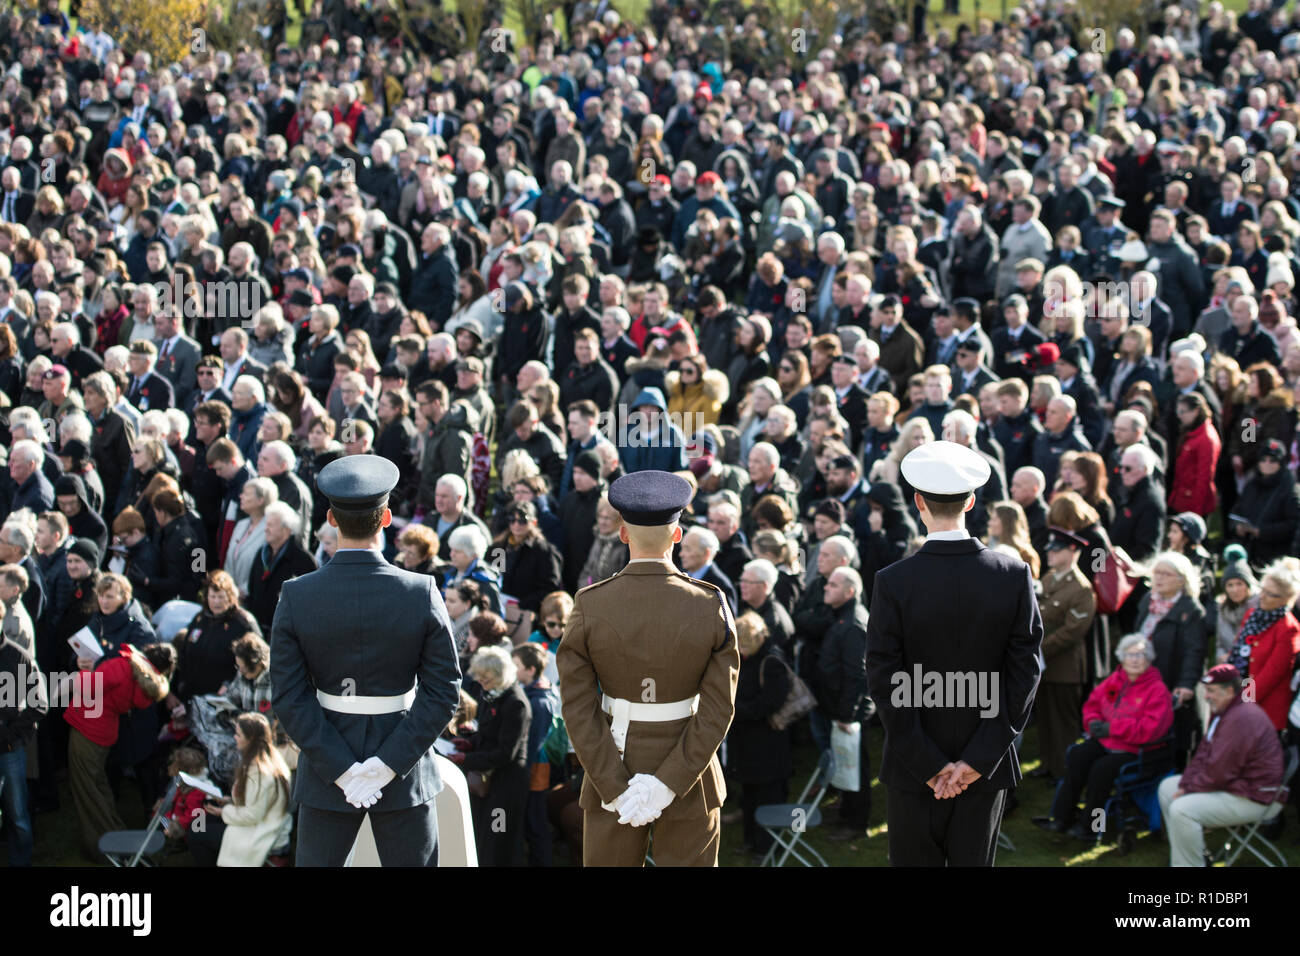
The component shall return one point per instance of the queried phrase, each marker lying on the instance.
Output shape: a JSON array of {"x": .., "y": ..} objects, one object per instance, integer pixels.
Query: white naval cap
[{"x": 945, "y": 470}]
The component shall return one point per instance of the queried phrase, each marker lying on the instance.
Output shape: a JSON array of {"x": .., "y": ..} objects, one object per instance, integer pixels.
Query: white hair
[
  {"x": 266, "y": 491},
  {"x": 494, "y": 661},
  {"x": 27, "y": 450},
  {"x": 283, "y": 453},
  {"x": 253, "y": 385},
  {"x": 842, "y": 544},
  {"x": 179, "y": 421},
  {"x": 1150, "y": 462},
  {"x": 851, "y": 577},
  {"x": 764, "y": 570},
  {"x": 469, "y": 539},
  {"x": 1181, "y": 565},
  {"x": 963, "y": 424},
  {"x": 291, "y": 520},
  {"x": 154, "y": 422},
  {"x": 703, "y": 538},
  {"x": 456, "y": 483},
  {"x": 1285, "y": 573},
  {"x": 76, "y": 425},
  {"x": 1132, "y": 640},
  {"x": 768, "y": 451}
]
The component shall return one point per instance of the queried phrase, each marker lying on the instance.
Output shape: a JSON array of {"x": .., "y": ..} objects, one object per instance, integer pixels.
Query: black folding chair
[{"x": 129, "y": 848}]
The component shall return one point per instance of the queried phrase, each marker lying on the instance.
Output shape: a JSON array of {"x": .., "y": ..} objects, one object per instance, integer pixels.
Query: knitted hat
[
  {"x": 589, "y": 462},
  {"x": 85, "y": 549},
  {"x": 1238, "y": 568}
]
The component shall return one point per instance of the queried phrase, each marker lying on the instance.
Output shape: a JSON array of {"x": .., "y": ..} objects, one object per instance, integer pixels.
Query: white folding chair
[
  {"x": 787, "y": 823},
  {"x": 1247, "y": 836},
  {"x": 129, "y": 848}
]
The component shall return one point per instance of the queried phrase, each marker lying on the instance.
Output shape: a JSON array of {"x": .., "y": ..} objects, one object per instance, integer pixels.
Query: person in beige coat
[{"x": 248, "y": 824}]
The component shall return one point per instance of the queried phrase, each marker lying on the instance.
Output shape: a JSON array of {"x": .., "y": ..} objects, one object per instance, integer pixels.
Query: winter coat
[
  {"x": 532, "y": 572},
  {"x": 1192, "y": 488},
  {"x": 1242, "y": 757},
  {"x": 1272, "y": 657},
  {"x": 1139, "y": 712},
  {"x": 702, "y": 401},
  {"x": 1139, "y": 525},
  {"x": 608, "y": 555},
  {"x": 105, "y": 694},
  {"x": 253, "y": 825},
  {"x": 1178, "y": 640},
  {"x": 1271, "y": 504},
  {"x": 756, "y": 751},
  {"x": 205, "y": 660},
  {"x": 843, "y": 666}
]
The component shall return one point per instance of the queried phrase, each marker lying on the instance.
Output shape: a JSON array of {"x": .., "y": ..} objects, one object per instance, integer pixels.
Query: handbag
[
  {"x": 479, "y": 782},
  {"x": 798, "y": 702},
  {"x": 1114, "y": 582}
]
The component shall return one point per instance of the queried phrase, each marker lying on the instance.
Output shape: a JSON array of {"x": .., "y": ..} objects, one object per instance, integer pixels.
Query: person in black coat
[
  {"x": 205, "y": 656},
  {"x": 396, "y": 440},
  {"x": 315, "y": 361},
  {"x": 842, "y": 692},
  {"x": 143, "y": 562},
  {"x": 989, "y": 624},
  {"x": 499, "y": 748},
  {"x": 281, "y": 559},
  {"x": 758, "y": 753},
  {"x": 578, "y": 515},
  {"x": 757, "y": 586},
  {"x": 733, "y": 550},
  {"x": 83, "y": 520},
  {"x": 523, "y": 335},
  {"x": 697, "y": 556},
  {"x": 111, "y": 440},
  {"x": 1139, "y": 525},
  {"x": 575, "y": 315},
  {"x": 588, "y": 376},
  {"x": 182, "y": 547},
  {"x": 1078, "y": 383},
  {"x": 1178, "y": 637},
  {"x": 1266, "y": 516},
  {"x": 532, "y": 568},
  {"x": 433, "y": 284},
  {"x": 883, "y": 528}
]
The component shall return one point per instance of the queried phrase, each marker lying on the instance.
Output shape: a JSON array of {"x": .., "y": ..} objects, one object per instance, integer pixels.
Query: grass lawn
[{"x": 57, "y": 844}]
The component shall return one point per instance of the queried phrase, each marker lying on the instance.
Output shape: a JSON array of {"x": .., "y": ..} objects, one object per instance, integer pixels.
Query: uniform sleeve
[
  {"x": 580, "y": 706},
  {"x": 704, "y": 732},
  {"x": 436, "y": 696},
  {"x": 1020, "y": 675},
  {"x": 1078, "y": 619},
  {"x": 909, "y": 741},
  {"x": 296, "y": 705}
]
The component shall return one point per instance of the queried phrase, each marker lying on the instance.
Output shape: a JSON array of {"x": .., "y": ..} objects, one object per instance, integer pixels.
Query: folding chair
[
  {"x": 135, "y": 846},
  {"x": 786, "y": 823},
  {"x": 1245, "y": 836}
]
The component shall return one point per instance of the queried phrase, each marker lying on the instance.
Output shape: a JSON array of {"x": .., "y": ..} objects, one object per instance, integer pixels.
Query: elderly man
[
  {"x": 32, "y": 489},
  {"x": 56, "y": 386},
  {"x": 766, "y": 477},
  {"x": 842, "y": 688},
  {"x": 1061, "y": 433},
  {"x": 178, "y": 355},
  {"x": 698, "y": 551},
  {"x": 248, "y": 408},
  {"x": 18, "y": 546},
  {"x": 1234, "y": 777},
  {"x": 733, "y": 547},
  {"x": 1028, "y": 485},
  {"x": 21, "y": 712},
  {"x": 67, "y": 350},
  {"x": 1139, "y": 525},
  {"x": 147, "y": 389},
  {"x": 961, "y": 427},
  {"x": 282, "y": 559},
  {"x": 277, "y": 461},
  {"x": 757, "y": 593},
  {"x": 450, "y": 512}
]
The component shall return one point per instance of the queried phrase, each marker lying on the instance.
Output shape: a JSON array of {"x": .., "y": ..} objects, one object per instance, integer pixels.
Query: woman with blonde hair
[
  {"x": 608, "y": 554},
  {"x": 912, "y": 434},
  {"x": 249, "y": 535},
  {"x": 48, "y": 212},
  {"x": 696, "y": 390},
  {"x": 1009, "y": 526}
]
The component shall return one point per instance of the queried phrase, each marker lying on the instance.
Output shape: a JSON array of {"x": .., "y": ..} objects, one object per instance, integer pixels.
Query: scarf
[
  {"x": 1256, "y": 623},
  {"x": 1156, "y": 610},
  {"x": 491, "y": 695}
]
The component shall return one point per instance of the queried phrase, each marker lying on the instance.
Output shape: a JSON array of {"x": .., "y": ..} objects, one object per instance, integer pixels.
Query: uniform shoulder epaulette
[{"x": 595, "y": 584}]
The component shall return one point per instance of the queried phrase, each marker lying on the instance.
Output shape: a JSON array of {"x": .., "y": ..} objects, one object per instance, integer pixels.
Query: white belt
[
  {"x": 352, "y": 704},
  {"x": 625, "y": 711}
]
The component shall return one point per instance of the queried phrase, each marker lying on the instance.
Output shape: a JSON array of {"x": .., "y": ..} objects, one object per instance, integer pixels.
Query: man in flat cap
[
  {"x": 366, "y": 677},
  {"x": 649, "y": 664},
  {"x": 952, "y": 665}
]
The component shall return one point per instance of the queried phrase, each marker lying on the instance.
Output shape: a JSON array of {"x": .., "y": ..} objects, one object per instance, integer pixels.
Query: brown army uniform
[
  {"x": 1067, "y": 607},
  {"x": 650, "y": 634}
]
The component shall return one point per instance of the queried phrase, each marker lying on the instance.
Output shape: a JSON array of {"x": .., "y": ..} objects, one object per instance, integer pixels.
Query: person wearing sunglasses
[{"x": 532, "y": 564}]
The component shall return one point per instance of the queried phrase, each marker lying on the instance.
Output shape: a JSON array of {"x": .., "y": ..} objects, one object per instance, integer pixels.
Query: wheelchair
[{"x": 1133, "y": 806}]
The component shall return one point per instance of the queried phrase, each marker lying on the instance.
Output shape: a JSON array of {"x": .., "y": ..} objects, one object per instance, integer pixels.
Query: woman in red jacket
[
  {"x": 136, "y": 679},
  {"x": 1197, "y": 457},
  {"x": 1268, "y": 641},
  {"x": 1127, "y": 712}
]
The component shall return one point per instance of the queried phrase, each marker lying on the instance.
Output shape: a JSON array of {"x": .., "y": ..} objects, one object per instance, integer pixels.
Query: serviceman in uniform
[
  {"x": 366, "y": 677},
  {"x": 1104, "y": 235},
  {"x": 965, "y": 615},
  {"x": 649, "y": 664},
  {"x": 1068, "y": 606}
]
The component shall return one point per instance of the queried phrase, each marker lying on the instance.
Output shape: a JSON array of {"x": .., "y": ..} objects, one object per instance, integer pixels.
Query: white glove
[
  {"x": 631, "y": 805},
  {"x": 370, "y": 778},
  {"x": 344, "y": 781},
  {"x": 653, "y": 796}
]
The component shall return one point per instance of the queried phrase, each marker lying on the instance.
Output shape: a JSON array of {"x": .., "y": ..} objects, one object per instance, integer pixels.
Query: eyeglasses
[
  {"x": 787, "y": 368},
  {"x": 553, "y": 625},
  {"x": 518, "y": 519},
  {"x": 1129, "y": 468}
]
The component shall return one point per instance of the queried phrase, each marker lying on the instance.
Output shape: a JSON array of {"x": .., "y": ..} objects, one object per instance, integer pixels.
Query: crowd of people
[{"x": 523, "y": 267}]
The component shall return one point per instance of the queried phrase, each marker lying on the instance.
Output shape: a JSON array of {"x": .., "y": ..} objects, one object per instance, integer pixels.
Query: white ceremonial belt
[
  {"x": 352, "y": 704},
  {"x": 625, "y": 711}
]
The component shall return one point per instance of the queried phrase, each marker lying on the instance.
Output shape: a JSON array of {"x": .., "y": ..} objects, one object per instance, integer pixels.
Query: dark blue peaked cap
[
  {"x": 649, "y": 498},
  {"x": 358, "y": 482}
]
